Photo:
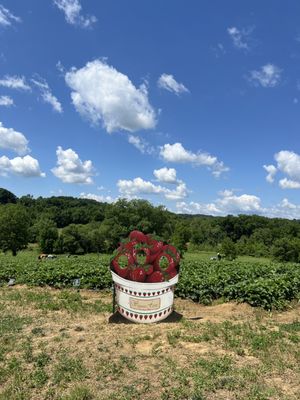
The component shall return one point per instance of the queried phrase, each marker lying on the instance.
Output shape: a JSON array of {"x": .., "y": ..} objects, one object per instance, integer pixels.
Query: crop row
[{"x": 269, "y": 285}]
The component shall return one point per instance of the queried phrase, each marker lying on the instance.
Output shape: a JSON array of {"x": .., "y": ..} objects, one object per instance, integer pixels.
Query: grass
[
  {"x": 58, "y": 345},
  {"x": 206, "y": 255}
]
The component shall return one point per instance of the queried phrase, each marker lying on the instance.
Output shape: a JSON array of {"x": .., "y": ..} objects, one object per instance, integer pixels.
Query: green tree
[
  {"x": 285, "y": 249},
  {"x": 228, "y": 248},
  {"x": 47, "y": 235},
  {"x": 14, "y": 228},
  {"x": 7, "y": 197},
  {"x": 181, "y": 236},
  {"x": 72, "y": 240}
]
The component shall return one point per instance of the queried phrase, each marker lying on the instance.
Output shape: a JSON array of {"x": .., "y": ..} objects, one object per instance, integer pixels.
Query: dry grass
[{"x": 60, "y": 345}]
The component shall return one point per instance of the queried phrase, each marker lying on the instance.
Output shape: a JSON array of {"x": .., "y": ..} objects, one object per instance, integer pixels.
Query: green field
[{"x": 258, "y": 282}]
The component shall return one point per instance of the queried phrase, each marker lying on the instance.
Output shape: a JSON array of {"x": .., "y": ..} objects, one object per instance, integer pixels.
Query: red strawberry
[
  {"x": 148, "y": 269},
  {"x": 138, "y": 274},
  {"x": 168, "y": 248},
  {"x": 156, "y": 276},
  {"x": 138, "y": 236},
  {"x": 164, "y": 263},
  {"x": 155, "y": 243},
  {"x": 141, "y": 255},
  {"x": 127, "y": 244},
  {"x": 121, "y": 263},
  {"x": 169, "y": 275}
]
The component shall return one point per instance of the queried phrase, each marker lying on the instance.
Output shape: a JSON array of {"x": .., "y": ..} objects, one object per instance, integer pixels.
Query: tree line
[{"x": 77, "y": 226}]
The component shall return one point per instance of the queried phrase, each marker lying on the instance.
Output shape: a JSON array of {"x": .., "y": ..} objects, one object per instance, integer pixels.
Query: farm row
[{"x": 268, "y": 285}]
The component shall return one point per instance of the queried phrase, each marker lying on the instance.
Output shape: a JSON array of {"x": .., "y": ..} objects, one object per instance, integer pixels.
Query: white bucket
[{"x": 144, "y": 302}]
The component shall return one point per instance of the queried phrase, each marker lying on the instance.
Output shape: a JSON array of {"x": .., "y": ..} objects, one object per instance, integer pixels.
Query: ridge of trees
[{"x": 65, "y": 224}]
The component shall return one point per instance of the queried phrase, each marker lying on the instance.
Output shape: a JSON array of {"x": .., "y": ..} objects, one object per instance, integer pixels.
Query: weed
[
  {"x": 79, "y": 393},
  {"x": 69, "y": 369},
  {"x": 173, "y": 337}
]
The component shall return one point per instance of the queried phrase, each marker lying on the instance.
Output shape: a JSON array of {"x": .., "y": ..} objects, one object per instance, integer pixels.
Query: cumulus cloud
[
  {"x": 72, "y": 10},
  {"x": 197, "y": 208},
  {"x": 70, "y": 169},
  {"x": 138, "y": 186},
  {"x": 267, "y": 76},
  {"x": 6, "y": 17},
  {"x": 244, "y": 204},
  {"x": 97, "y": 197},
  {"x": 169, "y": 83},
  {"x": 13, "y": 140},
  {"x": 14, "y": 82},
  {"x": 101, "y": 93},
  {"x": 46, "y": 94},
  {"x": 288, "y": 163},
  {"x": 285, "y": 209},
  {"x": 240, "y": 37},
  {"x": 177, "y": 194},
  {"x": 27, "y": 167},
  {"x": 178, "y": 154},
  {"x": 6, "y": 101},
  {"x": 141, "y": 144},
  {"x": 165, "y": 175},
  {"x": 228, "y": 203},
  {"x": 271, "y": 169},
  {"x": 289, "y": 184}
]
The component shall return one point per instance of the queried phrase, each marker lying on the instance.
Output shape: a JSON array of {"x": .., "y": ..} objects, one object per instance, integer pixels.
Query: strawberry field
[{"x": 265, "y": 284}]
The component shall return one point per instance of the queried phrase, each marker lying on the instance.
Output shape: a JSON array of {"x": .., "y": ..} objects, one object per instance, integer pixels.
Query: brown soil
[{"x": 98, "y": 342}]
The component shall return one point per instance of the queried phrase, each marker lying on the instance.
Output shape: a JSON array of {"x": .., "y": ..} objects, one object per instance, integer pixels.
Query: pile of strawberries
[{"x": 145, "y": 258}]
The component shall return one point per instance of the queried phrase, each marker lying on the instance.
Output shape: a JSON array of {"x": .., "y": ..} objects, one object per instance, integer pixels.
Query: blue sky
[{"x": 193, "y": 105}]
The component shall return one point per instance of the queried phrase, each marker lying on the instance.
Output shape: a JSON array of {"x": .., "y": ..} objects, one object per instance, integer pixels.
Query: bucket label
[{"x": 144, "y": 305}]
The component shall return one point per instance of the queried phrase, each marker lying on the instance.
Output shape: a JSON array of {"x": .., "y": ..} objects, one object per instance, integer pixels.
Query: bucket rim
[{"x": 143, "y": 285}]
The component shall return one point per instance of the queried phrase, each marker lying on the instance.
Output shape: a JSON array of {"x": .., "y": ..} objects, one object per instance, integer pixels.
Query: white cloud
[
  {"x": 6, "y": 101},
  {"x": 178, "y": 154},
  {"x": 289, "y": 163},
  {"x": 289, "y": 184},
  {"x": 225, "y": 193},
  {"x": 6, "y": 17},
  {"x": 141, "y": 144},
  {"x": 197, "y": 208},
  {"x": 271, "y": 169},
  {"x": 23, "y": 166},
  {"x": 99, "y": 198},
  {"x": 46, "y": 94},
  {"x": 268, "y": 76},
  {"x": 72, "y": 11},
  {"x": 179, "y": 193},
  {"x": 70, "y": 169},
  {"x": 13, "y": 140},
  {"x": 14, "y": 82},
  {"x": 285, "y": 209},
  {"x": 227, "y": 204},
  {"x": 244, "y": 204},
  {"x": 138, "y": 186},
  {"x": 169, "y": 83},
  {"x": 165, "y": 175},
  {"x": 101, "y": 93},
  {"x": 239, "y": 37}
]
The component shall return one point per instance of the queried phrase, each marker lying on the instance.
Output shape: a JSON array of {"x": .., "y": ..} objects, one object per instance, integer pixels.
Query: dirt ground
[{"x": 118, "y": 354}]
